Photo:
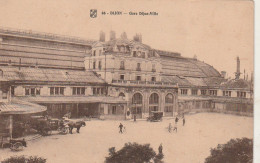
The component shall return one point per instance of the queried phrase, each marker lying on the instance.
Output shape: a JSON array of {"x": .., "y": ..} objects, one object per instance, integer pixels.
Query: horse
[{"x": 75, "y": 124}]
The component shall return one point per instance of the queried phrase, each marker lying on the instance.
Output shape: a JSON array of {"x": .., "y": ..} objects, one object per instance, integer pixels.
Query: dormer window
[
  {"x": 138, "y": 68},
  {"x": 122, "y": 65}
]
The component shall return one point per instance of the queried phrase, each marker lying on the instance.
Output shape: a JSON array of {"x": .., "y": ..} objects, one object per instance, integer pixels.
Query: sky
[{"x": 216, "y": 31}]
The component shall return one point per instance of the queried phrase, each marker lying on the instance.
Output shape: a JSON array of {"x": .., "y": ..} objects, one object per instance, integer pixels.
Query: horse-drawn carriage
[
  {"x": 155, "y": 116},
  {"x": 14, "y": 144},
  {"x": 45, "y": 126}
]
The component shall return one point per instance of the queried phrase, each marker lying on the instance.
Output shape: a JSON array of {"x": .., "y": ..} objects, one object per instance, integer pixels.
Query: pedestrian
[
  {"x": 175, "y": 127},
  {"x": 121, "y": 128},
  {"x": 170, "y": 127},
  {"x": 183, "y": 120},
  {"x": 160, "y": 149},
  {"x": 176, "y": 119}
]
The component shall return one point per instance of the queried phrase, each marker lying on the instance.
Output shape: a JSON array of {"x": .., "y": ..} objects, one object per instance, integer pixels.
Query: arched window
[
  {"x": 154, "y": 99},
  {"x": 137, "y": 98},
  {"x": 169, "y": 98},
  {"x": 121, "y": 94}
]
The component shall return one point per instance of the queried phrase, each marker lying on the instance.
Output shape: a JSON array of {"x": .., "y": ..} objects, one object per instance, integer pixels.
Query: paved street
[{"x": 192, "y": 143}]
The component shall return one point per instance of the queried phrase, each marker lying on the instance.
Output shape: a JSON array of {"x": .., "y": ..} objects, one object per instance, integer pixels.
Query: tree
[
  {"x": 133, "y": 152},
  {"x": 23, "y": 159},
  {"x": 236, "y": 150}
]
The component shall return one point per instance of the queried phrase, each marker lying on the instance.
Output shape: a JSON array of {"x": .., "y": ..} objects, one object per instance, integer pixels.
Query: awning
[
  {"x": 20, "y": 107},
  {"x": 73, "y": 99}
]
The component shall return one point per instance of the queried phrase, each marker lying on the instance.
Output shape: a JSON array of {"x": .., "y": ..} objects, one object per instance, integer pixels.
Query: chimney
[
  {"x": 124, "y": 35},
  {"x": 102, "y": 36},
  {"x": 223, "y": 74},
  {"x": 112, "y": 35},
  {"x": 244, "y": 74},
  {"x": 238, "y": 69},
  {"x": 138, "y": 38}
]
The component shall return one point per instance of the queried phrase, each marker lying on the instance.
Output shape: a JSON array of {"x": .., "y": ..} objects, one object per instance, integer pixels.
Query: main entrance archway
[
  {"x": 137, "y": 105},
  {"x": 153, "y": 102},
  {"x": 169, "y": 105}
]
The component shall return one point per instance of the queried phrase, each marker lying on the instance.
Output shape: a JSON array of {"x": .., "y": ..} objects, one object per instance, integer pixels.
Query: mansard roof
[
  {"x": 44, "y": 36},
  {"x": 181, "y": 66},
  {"x": 27, "y": 74},
  {"x": 236, "y": 84},
  {"x": 194, "y": 82}
]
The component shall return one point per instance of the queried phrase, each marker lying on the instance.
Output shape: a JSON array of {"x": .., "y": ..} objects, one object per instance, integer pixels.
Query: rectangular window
[
  {"x": 94, "y": 53},
  {"x": 100, "y": 52},
  {"x": 78, "y": 90},
  {"x": 241, "y": 94},
  {"x": 94, "y": 65},
  {"x": 153, "y": 68},
  {"x": 227, "y": 93},
  {"x": 122, "y": 77},
  {"x": 102, "y": 91},
  {"x": 134, "y": 54},
  {"x": 27, "y": 91},
  {"x": 138, "y": 78},
  {"x": 153, "y": 79},
  {"x": 12, "y": 90},
  {"x": 122, "y": 65},
  {"x": 213, "y": 92},
  {"x": 33, "y": 91},
  {"x": 38, "y": 91},
  {"x": 83, "y": 91},
  {"x": 99, "y": 65},
  {"x": 138, "y": 68},
  {"x": 94, "y": 91},
  {"x": 52, "y": 90},
  {"x": 194, "y": 92},
  {"x": 184, "y": 91},
  {"x": 5, "y": 94},
  {"x": 203, "y": 92},
  {"x": 57, "y": 90},
  {"x": 113, "y": 109},
  {"x": 74, "y": 91}
]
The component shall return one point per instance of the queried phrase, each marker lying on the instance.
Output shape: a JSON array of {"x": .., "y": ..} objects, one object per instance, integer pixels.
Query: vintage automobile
[
  {"x": 155, "y": 116},
  {"x": 14, "y": 144},
  {"x": 45, "y": 126}
]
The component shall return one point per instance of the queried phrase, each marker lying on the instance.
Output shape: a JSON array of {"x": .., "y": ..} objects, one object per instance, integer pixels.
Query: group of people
[
  {"x": 175, "y": 128},
  {"x": 170, "y": 128}
]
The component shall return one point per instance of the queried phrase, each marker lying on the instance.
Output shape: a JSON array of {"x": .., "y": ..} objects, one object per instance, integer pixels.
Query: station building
[{"x": 112, "y": 78}]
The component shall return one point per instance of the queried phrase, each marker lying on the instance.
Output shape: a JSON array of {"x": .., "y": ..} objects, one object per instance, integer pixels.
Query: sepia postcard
[{"x": 127, "y": 81}]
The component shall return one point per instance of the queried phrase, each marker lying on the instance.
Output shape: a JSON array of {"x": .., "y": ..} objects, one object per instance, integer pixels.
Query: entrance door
[
  {"x": 137, "y": 111},
  {"x": 153, "y": 102},
  {"x": 137, "y": 105}
]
